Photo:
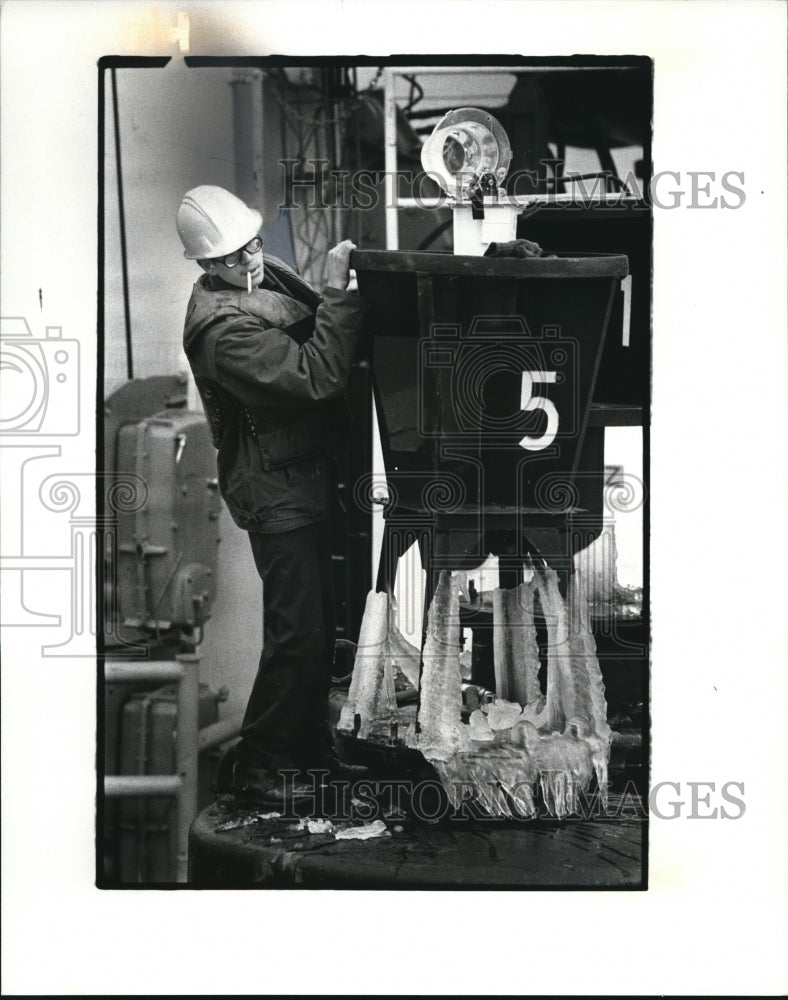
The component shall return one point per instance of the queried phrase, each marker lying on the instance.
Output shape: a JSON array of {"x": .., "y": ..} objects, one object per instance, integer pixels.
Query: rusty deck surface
[{"x": 234, "y": 847}]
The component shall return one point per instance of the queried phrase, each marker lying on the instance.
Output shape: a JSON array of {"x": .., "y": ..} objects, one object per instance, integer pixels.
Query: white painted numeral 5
[{"x": 530, "y": 402}]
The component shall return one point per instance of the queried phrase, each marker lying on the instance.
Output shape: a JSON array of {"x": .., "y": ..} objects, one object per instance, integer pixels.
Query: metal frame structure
[
  {"x": 189, "y": 741},
  {"x": 395, "y": 204}
]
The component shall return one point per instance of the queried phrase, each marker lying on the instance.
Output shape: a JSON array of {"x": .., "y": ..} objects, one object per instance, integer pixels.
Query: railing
[{"x": 189, "y": 741}]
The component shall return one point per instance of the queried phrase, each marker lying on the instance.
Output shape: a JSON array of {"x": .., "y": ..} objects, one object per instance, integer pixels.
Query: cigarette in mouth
[{"x": 248, "y": 282}]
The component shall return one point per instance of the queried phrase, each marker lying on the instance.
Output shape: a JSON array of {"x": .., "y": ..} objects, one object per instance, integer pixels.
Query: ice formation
[
  {"x": 516, "y": 654},
  {"x": 375, "y": 829},
  {"x": 502, "y": 714},
  {"x": 371, "y": 696},
  {"x": 403, "y": 655},
  {"x": 480, "y": 728},
  {"x": 441, "y": 731},
  {"x": 314, "y": 825},
  {"x": 381, "y": 649},
  {"x": 522, "y": 741}
]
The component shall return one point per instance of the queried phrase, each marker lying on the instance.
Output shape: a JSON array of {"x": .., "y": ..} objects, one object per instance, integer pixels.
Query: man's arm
[
  {"x": 270, "y": 362},
  {"x": 269, "y": 366}
]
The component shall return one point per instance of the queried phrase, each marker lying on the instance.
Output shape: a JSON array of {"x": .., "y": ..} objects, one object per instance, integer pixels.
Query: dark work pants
[{"x": 285, "y": 720}]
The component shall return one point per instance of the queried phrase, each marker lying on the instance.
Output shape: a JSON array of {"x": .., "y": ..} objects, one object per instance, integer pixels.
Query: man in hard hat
[{"x": 271, "y": 359}]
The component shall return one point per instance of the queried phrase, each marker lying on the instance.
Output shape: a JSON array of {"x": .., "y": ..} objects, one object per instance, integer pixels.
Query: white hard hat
[{"x": 212, "y": 222}]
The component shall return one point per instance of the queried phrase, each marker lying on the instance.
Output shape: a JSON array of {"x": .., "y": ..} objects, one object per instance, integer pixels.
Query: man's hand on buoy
[{"x": 338, "y": 268}]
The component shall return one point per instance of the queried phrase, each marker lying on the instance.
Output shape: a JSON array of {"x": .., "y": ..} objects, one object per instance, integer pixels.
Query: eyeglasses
[{"x": 251, "y": 247}]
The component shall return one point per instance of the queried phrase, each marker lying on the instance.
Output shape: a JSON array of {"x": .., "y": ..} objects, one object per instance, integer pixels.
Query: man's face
[{"x": 248, "y": 260}]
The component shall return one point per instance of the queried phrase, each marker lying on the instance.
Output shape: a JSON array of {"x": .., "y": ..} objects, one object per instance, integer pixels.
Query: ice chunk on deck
[
  {"x": 314, "y": 825},
  {"x": 479, "y": 727},
  {"x": 502, "y": 714},
  {"x": 375, "y": 829}
]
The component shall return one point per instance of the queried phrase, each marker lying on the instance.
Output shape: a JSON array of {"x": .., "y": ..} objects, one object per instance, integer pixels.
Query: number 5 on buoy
[{"x": 530, "y": 402}]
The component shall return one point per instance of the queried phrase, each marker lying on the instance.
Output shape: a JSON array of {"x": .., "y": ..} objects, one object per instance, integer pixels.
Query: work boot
[
  {"x": 327, "y": 759},
  {"x": 272, "y": 788}
]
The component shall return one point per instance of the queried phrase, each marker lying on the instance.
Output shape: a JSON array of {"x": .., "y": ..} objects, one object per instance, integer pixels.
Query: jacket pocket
[{"x": 293, "y": 443}]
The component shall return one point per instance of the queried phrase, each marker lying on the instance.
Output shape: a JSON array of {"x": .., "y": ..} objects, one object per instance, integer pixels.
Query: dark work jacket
[{"x": 271, "y": 369}]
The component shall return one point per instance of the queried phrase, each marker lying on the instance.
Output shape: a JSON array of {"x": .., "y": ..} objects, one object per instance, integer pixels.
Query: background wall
[{"x": 175, "y": 132}]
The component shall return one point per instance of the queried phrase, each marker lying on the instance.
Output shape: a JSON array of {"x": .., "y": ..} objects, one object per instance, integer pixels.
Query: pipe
[
  {"x": 183, "y": 784},
  {"x": 127, "y": 786},
  {"x": 218, "y": 733},
  {"x": 142, "y": 804},
  {"x": 155, "y": 672},
  {"x": 390, "y": 162},
  {"x": 122, "y": 225},
  {"x": 186, "y": 741},
  {"x": 626, "y": 288},
  {"x": 248, "y": 129}
]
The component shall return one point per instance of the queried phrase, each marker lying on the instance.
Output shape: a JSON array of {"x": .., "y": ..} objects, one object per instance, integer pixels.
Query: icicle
[
  {"x": 585, "y": 665},
  {"x": 559, "y": 743},
  {"x": 551, "y": 716},
  {"x": 516, "y": 654},
  {"x": 402, "y": 653},
  {"x": 371, "y": 693},
  {"x": 441, "y": 730},
  {"x": 521, "y": 793}
]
